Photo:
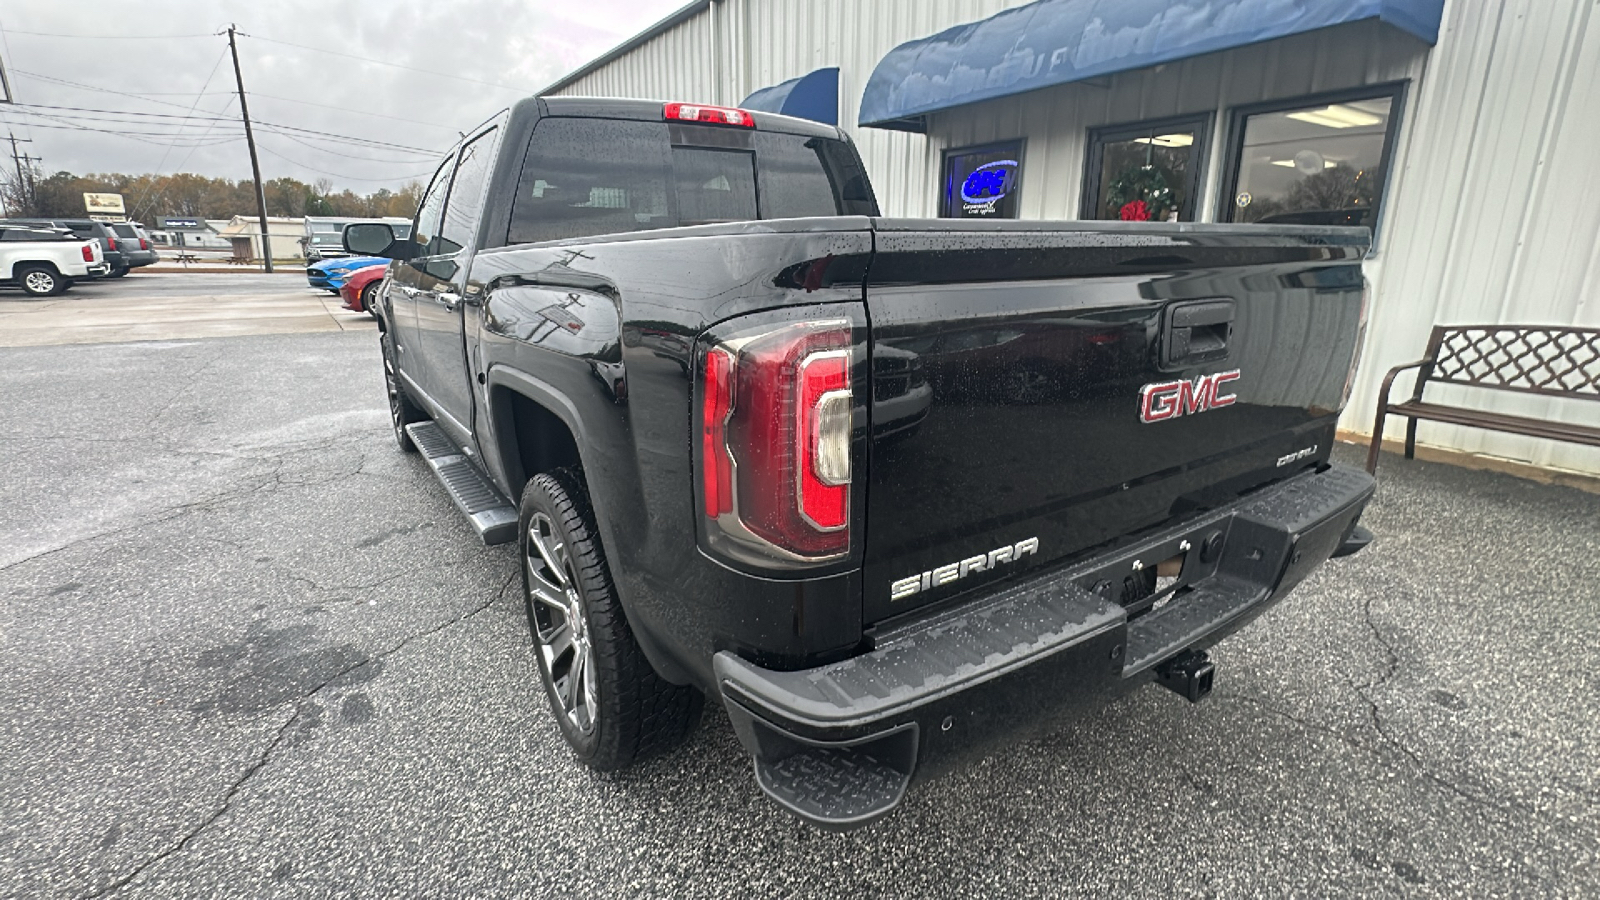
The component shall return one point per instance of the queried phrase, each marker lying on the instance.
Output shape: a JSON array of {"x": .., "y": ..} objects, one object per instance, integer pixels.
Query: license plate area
[{"x": 1151, "y": 575}]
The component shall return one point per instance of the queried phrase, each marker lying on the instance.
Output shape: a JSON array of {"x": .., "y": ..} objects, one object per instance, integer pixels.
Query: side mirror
[{"x": 377, "y": 239}]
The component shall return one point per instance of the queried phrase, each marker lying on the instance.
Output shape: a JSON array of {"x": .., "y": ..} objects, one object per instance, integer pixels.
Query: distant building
[
  {"x": 244, "y": 234},
  {"x": 189, "y": 233}
]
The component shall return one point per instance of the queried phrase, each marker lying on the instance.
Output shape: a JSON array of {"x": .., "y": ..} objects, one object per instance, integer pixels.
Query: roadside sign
[{"x": 104, "y": 205}]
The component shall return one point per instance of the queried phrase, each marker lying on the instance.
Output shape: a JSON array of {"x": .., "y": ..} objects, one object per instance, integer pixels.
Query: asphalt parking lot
[
  {"x": 165, "y": 305},
  {"x": 251, "y": 650}
]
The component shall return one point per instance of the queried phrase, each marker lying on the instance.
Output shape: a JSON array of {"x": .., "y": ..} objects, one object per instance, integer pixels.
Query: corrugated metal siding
[
  {"x": 764, "y": 42},
  {"x": 1493, "y": 212}
]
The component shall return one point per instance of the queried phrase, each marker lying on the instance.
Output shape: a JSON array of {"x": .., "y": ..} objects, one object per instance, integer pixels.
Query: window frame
[
  {"x": 1020, "y": 142},
  {"x": 486, "y": 133},
  {"x": 1100, "y": 135},
  {"x": 1237, "y": 115}
]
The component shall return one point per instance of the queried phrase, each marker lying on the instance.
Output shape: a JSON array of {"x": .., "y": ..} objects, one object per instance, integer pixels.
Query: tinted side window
[
  {"x": 800, "y": 179},
  {"x": 427, "y": 227},
  {"x": 584, "y": 177},
  {"x": 466, "y": 197}
]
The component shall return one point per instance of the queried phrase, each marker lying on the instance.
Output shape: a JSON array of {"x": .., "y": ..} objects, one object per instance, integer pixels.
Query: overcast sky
[{"x": 162, "y": 53}]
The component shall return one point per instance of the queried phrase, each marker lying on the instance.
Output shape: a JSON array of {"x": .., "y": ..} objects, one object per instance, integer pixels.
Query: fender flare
[{"x": 505, "y": 377}]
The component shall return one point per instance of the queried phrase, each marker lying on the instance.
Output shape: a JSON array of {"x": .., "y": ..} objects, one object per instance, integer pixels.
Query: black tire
[
  {"x": 368, "y": 294},
  {"x": 625, "y": 711},
  {"x": 118, "y": 273},
  {"x": 402, "y": 411},
  {"x": 39, "y": 280}
]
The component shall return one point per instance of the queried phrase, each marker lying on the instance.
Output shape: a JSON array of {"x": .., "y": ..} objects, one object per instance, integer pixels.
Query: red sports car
[{"x": 360, "y": 290}]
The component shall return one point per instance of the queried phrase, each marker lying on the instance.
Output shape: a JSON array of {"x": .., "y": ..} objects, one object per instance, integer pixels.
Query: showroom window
[
  {"x": 1146, "y": 171},
  {"x": 1315, "y": 161},
  {"x": 981, "y": 182}
]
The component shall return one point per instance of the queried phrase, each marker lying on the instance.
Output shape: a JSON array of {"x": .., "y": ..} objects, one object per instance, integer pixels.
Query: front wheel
[
  {"x": 368, "y": 295},
  {"x": 402, "y": 411},
  {"x": 611, "y": 706},
  {"x": 40, "y": 281}
]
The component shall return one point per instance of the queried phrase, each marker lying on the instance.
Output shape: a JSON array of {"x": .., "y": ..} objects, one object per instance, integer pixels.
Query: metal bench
[{"x": 1548, "y": 361}]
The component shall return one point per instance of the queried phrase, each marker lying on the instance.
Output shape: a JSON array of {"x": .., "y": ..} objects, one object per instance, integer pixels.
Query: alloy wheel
[
  {"x": 40, "y": 282},
  {"x": 560, "y": 628},
  {"x": 396, "y": 414}
]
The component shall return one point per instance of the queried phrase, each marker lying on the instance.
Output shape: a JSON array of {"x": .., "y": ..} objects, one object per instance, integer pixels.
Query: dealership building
[{"x": 1463, "y": 132}]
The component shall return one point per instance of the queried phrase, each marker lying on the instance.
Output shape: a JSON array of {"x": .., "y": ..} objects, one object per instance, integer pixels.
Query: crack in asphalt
[
  {"x": 1391, "y": 667},
  {"x": 1380, "y": 727},
  {"x": 278, "y": 737},
  {"x": 187, "y": 386}
]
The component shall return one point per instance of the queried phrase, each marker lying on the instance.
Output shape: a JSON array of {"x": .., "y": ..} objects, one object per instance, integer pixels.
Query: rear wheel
[
  {"x": 40, "y": 281},
  {"x": 609, "y": 703},
  {"x": 118, "y": 273},
  {"x": 402, "y": 411}
]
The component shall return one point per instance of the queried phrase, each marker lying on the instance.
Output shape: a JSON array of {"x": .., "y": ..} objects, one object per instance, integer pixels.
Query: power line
[
  {"x": 69, "y": 126},
  {"x": 117, "y": 112},
  {"x": 398, "y": 162},
  {"x": 361, "y": 112},
  {"x": 329, "y": 134},
  {"x": 90, "y": 87},
  {"x": 398, "y": 178},
  {"x": 383, "y": 62},
  {"x": 112, "y": 37},
  {"x": 192, "y": 107}
]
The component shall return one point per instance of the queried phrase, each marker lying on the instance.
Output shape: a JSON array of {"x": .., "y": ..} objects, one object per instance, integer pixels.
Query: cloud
[{"x": 521, "y": 45}]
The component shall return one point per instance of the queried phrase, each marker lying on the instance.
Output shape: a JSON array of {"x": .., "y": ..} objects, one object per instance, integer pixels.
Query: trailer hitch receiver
[{"x": 1189, "y": 674}]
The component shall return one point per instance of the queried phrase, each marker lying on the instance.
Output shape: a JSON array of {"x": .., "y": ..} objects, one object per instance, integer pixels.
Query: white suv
[{"x": 45, "y": 261}]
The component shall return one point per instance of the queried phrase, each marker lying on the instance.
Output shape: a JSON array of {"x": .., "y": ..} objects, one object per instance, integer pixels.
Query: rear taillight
[
  {"x": 88, "y": 253},
  {"x": 708, "y": 115},
  {"x": 144, "y": 244},
  {"x": 776, "y": 410}
]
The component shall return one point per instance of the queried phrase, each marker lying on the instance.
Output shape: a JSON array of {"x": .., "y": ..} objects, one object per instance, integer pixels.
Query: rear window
[
  {"x": 125, "y": 231},
  {"x": 584, "y": 177}
]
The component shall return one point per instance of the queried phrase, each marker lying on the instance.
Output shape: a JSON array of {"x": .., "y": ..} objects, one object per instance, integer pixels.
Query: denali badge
[
  {"x": 933, "y": 578},
  {"x": 1171, "y": 399},
  {"x": 1296, "y": 456}
]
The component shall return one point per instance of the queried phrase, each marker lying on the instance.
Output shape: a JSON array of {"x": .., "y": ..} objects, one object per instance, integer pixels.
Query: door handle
[
  {"x": 1196, "y": 332},
  {"x": 449, "y": 300}
]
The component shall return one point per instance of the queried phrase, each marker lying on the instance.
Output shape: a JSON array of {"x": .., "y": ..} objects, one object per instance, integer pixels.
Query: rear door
[
  {"x": 406, "y": 278},
  {"x": 1039, "y": 393},
  {"x": 441, "y": 285}
]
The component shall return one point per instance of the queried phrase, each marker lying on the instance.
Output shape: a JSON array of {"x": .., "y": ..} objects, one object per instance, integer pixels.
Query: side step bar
[{"x": 491, "y": 514}]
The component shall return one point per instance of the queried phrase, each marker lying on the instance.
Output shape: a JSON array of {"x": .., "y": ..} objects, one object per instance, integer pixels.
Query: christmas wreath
[{"x": 1142, "y": 194}]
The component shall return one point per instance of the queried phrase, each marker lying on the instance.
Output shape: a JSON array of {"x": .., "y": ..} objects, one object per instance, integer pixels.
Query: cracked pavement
[{"x": 252, "y": 650}]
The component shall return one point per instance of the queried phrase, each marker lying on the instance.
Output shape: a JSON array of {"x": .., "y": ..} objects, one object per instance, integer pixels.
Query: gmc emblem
[{"x": 1171, "y": 399}]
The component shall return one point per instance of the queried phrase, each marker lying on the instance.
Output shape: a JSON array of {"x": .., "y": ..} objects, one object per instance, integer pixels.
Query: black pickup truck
[{"x": 887, "y": 490}]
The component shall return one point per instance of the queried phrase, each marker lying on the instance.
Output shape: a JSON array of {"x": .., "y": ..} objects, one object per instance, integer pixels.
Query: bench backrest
[{"x": 1533, "y": 359}]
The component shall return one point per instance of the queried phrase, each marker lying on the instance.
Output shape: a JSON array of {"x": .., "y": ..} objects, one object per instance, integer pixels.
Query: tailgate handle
[{"x": 1196, "y": 332}]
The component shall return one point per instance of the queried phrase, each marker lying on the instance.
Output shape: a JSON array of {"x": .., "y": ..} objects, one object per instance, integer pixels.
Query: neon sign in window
[{"x": 982, "y": 182}]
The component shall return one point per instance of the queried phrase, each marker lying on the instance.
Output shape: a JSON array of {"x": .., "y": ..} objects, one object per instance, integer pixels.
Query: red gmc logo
[{"x": 1171, "y": 399}]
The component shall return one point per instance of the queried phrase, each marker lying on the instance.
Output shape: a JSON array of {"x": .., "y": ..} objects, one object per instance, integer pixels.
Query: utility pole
[
  {"x": 255, "y": 162},
  {"x": 24, "y": 183}
]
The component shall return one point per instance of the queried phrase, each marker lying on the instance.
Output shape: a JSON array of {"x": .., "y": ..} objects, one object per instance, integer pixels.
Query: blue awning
[
  {"x": 1059, "y": 41},
  {"x": 813, "y": 96}
]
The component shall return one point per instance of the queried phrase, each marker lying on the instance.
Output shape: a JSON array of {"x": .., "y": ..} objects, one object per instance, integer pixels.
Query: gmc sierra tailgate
[{"x": 1041, "y": 390}]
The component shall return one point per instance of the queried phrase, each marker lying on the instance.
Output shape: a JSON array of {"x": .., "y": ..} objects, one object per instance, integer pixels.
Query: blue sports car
[{"x": 329, "y": 275}]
